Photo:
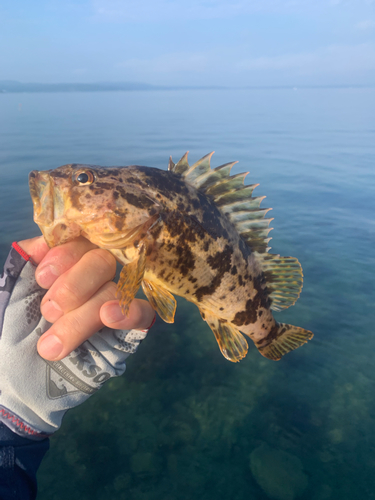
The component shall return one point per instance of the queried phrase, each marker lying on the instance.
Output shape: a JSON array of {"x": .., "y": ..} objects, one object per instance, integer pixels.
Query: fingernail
[
  {"x": 47, "y": 275},
  {"x": 112, "y": 313},
  {"x": 51, "y": 310},
  {"x": 50, "y": 347}
]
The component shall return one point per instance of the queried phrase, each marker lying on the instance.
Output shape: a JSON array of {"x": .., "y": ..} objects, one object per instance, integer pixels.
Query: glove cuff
[{"x": 18, "y": 426}]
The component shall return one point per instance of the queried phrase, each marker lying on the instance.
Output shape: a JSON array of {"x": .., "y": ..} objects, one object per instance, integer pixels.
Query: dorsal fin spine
[
  {"x": 171, "y": 164},
  {"x": 229, "y": 184},
  {"x": 182, "y": 165},
  {"x": 245, "y": 204},
  {"x": 208, "y": 179},
  {"x": 232, "y": 197},
  {"x": 200, "y": 167},
  {"x": 258, "y": 213}
]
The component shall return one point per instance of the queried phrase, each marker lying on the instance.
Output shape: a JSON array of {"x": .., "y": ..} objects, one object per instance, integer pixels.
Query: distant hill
[
  {"x": 11, "y": 86},
  {"x": 14, "y": 86}
]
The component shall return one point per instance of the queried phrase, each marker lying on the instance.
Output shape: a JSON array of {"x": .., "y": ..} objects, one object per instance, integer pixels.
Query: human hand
[
  {"x": 81, "y": 295},
  {"x": 35, "y": 393}
]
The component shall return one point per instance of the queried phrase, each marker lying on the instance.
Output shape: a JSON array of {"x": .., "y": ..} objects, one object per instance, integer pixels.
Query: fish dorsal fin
[
  {"x": 284, "y": 279},
  {"x": 181, "y": 166},
  {"x": 199, "y": 168},
  {"x": 191, "y": 173},
  {"x": 214, "y": 175},
  {"x": 231, "y": 196}
]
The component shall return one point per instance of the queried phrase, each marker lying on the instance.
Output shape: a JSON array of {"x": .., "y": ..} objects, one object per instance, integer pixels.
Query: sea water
[{"x": 183, "y": 422}]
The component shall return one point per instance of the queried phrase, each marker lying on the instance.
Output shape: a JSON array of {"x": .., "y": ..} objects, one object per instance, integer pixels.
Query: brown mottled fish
[{"x": 191, "y": 231}]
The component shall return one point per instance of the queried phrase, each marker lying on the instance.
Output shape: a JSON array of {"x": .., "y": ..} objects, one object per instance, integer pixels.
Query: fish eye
[{"x": 83, "y": 178}]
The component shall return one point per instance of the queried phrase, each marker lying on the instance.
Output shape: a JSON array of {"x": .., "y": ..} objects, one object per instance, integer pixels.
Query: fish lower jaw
[
  {"x": 60, "y": 233},
  {"x": 41, "y": 191}
]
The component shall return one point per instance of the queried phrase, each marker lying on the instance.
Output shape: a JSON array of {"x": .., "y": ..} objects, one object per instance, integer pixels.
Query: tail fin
[{"x": 285, "y": 338}]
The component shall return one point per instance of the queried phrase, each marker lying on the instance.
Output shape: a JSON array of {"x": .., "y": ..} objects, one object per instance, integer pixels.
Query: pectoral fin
[
  {"x": 130, "y": 279},
  {"x": 286, "y": 338},
  {"x": 161, "y": 300},
  {"x": 232, "y": 343}
]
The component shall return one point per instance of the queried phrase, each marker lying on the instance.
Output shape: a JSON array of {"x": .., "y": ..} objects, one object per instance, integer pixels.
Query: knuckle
[
  {"x": 63, "y": 254},
  {"x": 104, "y": 260},
  {"x": 73, "y": 327},
  {"x": 106, "y": 293},
  {"x": 67, "y": 293}
]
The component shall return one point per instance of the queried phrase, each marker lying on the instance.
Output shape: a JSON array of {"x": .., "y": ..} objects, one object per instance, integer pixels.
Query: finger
[
  {"x": 59, "y": 259},
  {"x": 78, "y": 284},
  {"x": 73, "y": 328},
  {"x": 141, "y": 315},
  {"x": 36, "y": 248}
]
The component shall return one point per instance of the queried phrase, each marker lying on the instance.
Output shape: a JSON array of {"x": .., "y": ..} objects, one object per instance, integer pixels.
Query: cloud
[
  {"x": 79, "y": 71},
  {"x": 366, "y": 25},
  {"x": 167, "y": 63},
  {"x": 163, "y": 10},
  {"x": 337, "y": 63},
  {"x": 327, "y": 60},
  {"x": 285, "y": 61}
]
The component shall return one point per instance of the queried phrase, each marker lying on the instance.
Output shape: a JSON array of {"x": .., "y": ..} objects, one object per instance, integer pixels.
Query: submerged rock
[
  {"x": 278, "y": 473},
  {"x": 145, "y": 463}
]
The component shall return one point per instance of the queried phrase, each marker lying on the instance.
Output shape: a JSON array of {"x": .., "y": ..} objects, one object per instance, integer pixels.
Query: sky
[{"x": 189, "y": 42}]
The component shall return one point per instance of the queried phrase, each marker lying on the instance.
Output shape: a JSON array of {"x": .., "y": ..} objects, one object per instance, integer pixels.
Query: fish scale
[{"x": 190, "y": 231}]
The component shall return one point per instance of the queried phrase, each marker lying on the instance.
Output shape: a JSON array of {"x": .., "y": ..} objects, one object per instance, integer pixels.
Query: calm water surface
[{"x": 183, "y": 422}]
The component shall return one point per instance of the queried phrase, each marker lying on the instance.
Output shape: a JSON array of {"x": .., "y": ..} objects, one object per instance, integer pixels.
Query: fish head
[{"x": 87, "y": 200}]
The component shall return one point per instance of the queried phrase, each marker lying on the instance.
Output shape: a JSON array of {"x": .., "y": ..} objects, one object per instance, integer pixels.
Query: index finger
[
  {"x": 36, "y": 248},
  {"x": 60, "y": 259}
]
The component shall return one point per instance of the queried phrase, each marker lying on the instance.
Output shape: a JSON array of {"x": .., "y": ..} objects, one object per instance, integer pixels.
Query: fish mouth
[
  {"x": 49, "y": 209},
  {"x": 41, "y": 191}
]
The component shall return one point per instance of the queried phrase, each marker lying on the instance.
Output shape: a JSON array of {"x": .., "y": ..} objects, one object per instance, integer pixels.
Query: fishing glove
[{"x": 36, "y": 393}]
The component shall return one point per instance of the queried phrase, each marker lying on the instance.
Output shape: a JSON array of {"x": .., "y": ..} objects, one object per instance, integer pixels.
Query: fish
[{"x": 192, "y": 231}]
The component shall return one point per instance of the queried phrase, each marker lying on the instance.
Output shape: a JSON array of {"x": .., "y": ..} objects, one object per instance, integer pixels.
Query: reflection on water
[{"x": 183, "y": 422}]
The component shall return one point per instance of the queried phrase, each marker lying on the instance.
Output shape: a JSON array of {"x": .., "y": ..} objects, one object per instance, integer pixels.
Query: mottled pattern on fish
[{"x": 191, "y": 231}]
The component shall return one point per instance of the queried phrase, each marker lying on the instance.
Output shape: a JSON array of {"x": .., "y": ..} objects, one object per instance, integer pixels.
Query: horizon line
[{"x": 14, "y": 86}]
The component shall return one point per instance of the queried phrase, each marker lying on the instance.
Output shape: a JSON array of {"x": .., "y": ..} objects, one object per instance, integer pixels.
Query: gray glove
[{"x": 35, "y": 393}]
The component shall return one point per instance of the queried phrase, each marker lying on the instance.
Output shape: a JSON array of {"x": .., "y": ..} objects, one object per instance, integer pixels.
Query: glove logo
[
  {"x": 57, "y": 386},
  {"x": 63, "y": 380},
  {"x": 84, "y": 362}
]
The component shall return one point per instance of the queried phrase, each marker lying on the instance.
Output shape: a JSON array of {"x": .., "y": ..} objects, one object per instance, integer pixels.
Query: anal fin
[
  {"x": 130, "y": 279},
  {"x": 286, "y": 339},
  {"x": 232, "y": 343},
  {"x": 161, "y": 300}
]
